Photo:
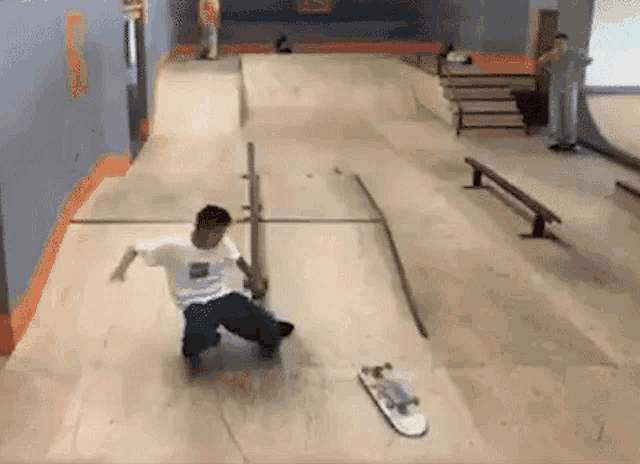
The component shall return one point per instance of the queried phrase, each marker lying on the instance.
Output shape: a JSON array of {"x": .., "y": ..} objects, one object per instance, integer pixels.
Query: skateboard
[{"x": 398, "y": 407}]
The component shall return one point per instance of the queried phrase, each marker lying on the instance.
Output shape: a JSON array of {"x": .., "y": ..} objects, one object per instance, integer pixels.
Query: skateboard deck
[{"x": 396, "y": 405}]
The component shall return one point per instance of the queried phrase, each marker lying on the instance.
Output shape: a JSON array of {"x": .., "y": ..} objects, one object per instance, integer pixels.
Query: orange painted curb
[{"x": 19, "y": 321}]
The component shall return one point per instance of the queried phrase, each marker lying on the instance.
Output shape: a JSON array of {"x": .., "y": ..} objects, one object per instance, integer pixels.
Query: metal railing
[{"x": 542, "y": 214}]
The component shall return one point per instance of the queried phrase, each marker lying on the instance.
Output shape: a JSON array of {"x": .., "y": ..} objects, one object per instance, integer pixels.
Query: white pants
[{"x": 563, "y": 114}]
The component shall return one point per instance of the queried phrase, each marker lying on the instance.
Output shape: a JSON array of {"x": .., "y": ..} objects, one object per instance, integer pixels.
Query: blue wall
[
  {"x": 48, "y": 142},
  {"x": 480, "y": 24}
]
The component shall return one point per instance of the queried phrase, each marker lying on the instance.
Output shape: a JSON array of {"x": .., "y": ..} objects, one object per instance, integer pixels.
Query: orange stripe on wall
[
  {"x": 185, "y": 50},
  {"x": 247, "y": 48},
  {"x": 397, "y": 48},
  {"x": 13, "y": 327},
  {"x": 505, "y": 64}
]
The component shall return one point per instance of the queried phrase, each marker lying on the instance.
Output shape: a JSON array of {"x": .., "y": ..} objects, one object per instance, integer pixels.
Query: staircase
[{"x": 479, "y": 99}]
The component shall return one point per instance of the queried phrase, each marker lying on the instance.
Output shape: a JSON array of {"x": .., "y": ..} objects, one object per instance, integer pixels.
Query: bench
[{"x": 542, "y": 214}]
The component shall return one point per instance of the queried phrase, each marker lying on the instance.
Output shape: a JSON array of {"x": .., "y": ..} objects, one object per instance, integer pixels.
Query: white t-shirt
[{"x": 194, "y": 275}]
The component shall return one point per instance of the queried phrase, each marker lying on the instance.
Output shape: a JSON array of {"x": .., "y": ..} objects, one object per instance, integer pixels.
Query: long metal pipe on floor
[{"x": 396, "y": 257}]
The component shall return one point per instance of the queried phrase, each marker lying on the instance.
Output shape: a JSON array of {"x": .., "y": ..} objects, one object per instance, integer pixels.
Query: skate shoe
[
  {"x": 285, "y": 329},
  {"x": 193, "y": 365},
  {"x": 268, "y": 351}
]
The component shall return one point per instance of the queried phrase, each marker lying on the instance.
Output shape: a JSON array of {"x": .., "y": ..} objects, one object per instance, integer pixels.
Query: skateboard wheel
[
  {"x": 388, "y": 366},
  {"x": 365, "y": 370},
  {"x": 415, "y": 401}
]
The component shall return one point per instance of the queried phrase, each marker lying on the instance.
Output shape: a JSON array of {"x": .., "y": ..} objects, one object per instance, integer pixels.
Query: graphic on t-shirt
[
  {"x": 198, "y": 270},
  {"x": 193, "y": 274}
]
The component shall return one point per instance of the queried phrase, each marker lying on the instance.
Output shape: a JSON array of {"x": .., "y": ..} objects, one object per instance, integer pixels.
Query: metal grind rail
[
  {"x": 543, "y": 215},
  {"x": 254, "y": 219},
  {"x": 628, "y": 188}
]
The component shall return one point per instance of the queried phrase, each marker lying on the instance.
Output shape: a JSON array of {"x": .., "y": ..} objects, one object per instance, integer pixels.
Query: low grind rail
[
  {"x": 628, "y": 188},
  {"x": 542, "y": 214}
]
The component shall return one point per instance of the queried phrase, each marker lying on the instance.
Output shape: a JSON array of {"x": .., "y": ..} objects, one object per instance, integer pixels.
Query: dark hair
[
  {"x": 561, "y": 36},
  {"x": 212, "y": 216}
]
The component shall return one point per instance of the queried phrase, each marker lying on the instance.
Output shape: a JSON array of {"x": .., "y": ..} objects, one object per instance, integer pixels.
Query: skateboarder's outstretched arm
[
  {"x": 126, "y": 261},
  {"x": 153, "y": 253}
]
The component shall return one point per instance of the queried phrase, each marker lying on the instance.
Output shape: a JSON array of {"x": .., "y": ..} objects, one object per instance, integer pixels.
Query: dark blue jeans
[{"x": 236, "y": 313}]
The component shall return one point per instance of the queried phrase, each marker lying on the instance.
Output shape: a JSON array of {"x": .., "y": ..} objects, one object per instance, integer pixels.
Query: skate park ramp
[
  {"x": 513, "y": 367},
  {"x": 615, "y": 118},
  {"x": 217, "y": 110},
  {"x": 362, "y": 84}
]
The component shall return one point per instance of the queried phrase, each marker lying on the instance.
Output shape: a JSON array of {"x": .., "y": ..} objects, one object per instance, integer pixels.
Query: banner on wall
[{"x": 77, "y": 69}]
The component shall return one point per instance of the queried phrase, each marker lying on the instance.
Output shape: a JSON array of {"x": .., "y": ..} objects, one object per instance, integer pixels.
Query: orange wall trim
[
  {"x": 13, "y": 327},
  {"x": 394, "y": 48},
  {"x": 505, "y": 64},
  {"x": 240, "y": 48},
  {"x": 185, "y": 50}
]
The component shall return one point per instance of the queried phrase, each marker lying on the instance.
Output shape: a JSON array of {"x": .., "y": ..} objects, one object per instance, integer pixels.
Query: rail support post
[
  {"x": 477, "y": 181},
  {"x": 538, "y": 228}
]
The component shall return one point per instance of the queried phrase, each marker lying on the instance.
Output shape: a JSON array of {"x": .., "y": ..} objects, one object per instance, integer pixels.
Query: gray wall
[
  {"x": 46, "y": 141},
  {"x": 486, "y": 25}
]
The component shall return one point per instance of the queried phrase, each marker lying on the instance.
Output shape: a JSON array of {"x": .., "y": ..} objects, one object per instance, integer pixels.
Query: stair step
[
  {"x": 520, "y": 82},
  {"x": 497, "y": 120},
  {"x": 457, "y": 93},
  {"x": 482, "y": 106}
]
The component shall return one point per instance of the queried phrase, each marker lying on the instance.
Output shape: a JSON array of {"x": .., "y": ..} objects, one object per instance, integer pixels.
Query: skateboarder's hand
[
  {"x": 259, "y": 291},
  {"x": 117, "y": 276}
]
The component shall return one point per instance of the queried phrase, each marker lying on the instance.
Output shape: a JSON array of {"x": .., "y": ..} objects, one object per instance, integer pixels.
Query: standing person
[
  {"x": 566, "y": 64},
  {"x": 209, "y": 17},
  {"x": 195, "y": 265}
]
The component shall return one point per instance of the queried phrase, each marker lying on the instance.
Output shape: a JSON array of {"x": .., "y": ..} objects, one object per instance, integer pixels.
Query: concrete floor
[{"x": 533, "y": 349}]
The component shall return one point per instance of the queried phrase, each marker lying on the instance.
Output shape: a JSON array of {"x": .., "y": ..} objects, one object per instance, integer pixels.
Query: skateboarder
[{"x": 195, "y": 265}]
